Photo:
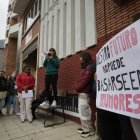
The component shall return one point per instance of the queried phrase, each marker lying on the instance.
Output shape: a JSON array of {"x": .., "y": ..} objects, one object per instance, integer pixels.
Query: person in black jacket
[
  {"x": 11, "y": 95},
  {"x": 3, "y": 81},
  {"x": 3, "y": 89},
  {"x": 38, "y": 101}
]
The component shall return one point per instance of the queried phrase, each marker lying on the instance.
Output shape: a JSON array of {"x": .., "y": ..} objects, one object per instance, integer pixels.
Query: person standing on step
[{"x": 51, "y": 64}]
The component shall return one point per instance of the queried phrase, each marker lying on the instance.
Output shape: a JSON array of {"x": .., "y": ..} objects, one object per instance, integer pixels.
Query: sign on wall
[
  {"x": 28, "y": 37},
  {"x": 118, "y": 73}
]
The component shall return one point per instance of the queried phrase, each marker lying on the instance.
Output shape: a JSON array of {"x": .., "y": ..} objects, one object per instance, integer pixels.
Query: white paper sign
[
  {"x": 118, "y": 73},
  {"x": 27, "y": 94}
]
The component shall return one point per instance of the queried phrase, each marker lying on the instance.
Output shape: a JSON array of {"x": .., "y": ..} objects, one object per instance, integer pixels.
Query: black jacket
[
  {"x": 3, "y": 84},
  {"x": 11, "y": 87}
]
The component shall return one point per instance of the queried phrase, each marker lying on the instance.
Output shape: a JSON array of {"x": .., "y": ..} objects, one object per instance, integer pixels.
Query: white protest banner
[{"x": 118, "y": 73}]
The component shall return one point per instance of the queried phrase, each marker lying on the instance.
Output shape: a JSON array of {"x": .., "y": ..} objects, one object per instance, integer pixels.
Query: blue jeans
[{"x": 10, "y": 101}]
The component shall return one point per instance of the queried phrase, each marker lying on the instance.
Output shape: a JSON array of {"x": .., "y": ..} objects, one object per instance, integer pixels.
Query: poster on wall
[{"x": 118, "y": 73}]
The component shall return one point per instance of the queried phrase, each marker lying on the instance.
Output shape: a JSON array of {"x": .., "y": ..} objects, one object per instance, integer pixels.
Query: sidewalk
[{"x": 12, "y": 129}]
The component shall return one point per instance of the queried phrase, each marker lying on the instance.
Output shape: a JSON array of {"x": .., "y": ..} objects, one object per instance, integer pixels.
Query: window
[
  {"x": 32, "y": 14},
  {"x": 36, "y": 10}
]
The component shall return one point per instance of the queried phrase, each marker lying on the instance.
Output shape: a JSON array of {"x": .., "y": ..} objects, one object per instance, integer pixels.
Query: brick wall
[
  {"x": 40, "y": 79},
  {"x": 69, "y": 72},
  {"x": 11, "y": 56},
  {"x": 111, "y": 17}
]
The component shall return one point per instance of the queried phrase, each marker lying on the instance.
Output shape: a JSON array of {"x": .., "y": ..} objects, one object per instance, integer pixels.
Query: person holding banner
[
  {"x": 25, "y": 83},
  {"x": 136, "y": 127},
  {"x": 113, "y": 126},
  {"x": 84, "y": 87},
  {"x": 108, "y": 124}
]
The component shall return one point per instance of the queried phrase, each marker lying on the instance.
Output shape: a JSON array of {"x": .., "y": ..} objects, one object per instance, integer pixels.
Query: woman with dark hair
[
  {"x": 84, "y": 87},
  {"x": 51, "y": 65}
]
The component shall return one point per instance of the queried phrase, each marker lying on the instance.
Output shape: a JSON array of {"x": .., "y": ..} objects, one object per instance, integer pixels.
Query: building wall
[
  {"x": 10, "y": 49},
  {"x": 1, "y": 58},
  {"x": 111, "y": 17},
  {"x": 10, "y": 56},
  {"x": 67, "y": 26},
  {"x": 33, "y": 31}
]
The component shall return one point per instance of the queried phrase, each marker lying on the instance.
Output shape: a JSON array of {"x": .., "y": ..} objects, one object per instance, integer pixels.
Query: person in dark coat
[
  {"x": 11, "y": 95},
  {"x": 3, "y": 89},
  {"x": 37, "y": 102},
  {"x": 84, "y": 88}
]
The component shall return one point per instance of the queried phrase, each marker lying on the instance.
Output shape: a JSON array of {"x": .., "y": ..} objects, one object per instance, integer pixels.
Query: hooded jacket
[
  {"x": 3, "y": 84},
  {"x": 85, "y": 82}
]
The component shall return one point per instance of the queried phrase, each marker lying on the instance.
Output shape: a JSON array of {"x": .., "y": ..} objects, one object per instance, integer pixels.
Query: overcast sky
[{"x": 3, "y": 17}]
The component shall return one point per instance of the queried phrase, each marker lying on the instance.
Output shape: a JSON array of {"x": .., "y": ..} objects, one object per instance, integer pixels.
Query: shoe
[
  {"x": 86, "y": 134},
  {"x": 17, "y": 114},
  {"x": 45, "y": 103},
  {"x": 22, "y": 121},
  {"x": 53, "y": 103},
  {"x": 12, "y": 113},
  {"x": 7, "y": 113},
  {"x": 92, "y": 133},
  {"x": 42, "y": 104},
  {"x": 80, "y": 130},
  {"x": 4, "y": 111},
  {"x": 30, "y": 121}
]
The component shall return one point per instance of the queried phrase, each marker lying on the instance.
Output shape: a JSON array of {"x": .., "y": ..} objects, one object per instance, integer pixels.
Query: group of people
[
  {"x": 110, "y": 126},
  {"x": 8, "y": 95},
  {"x": 23, "y": 86}
]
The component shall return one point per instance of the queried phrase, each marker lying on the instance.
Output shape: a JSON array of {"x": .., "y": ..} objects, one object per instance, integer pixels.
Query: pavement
[{"x": 11, "y": 128}]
